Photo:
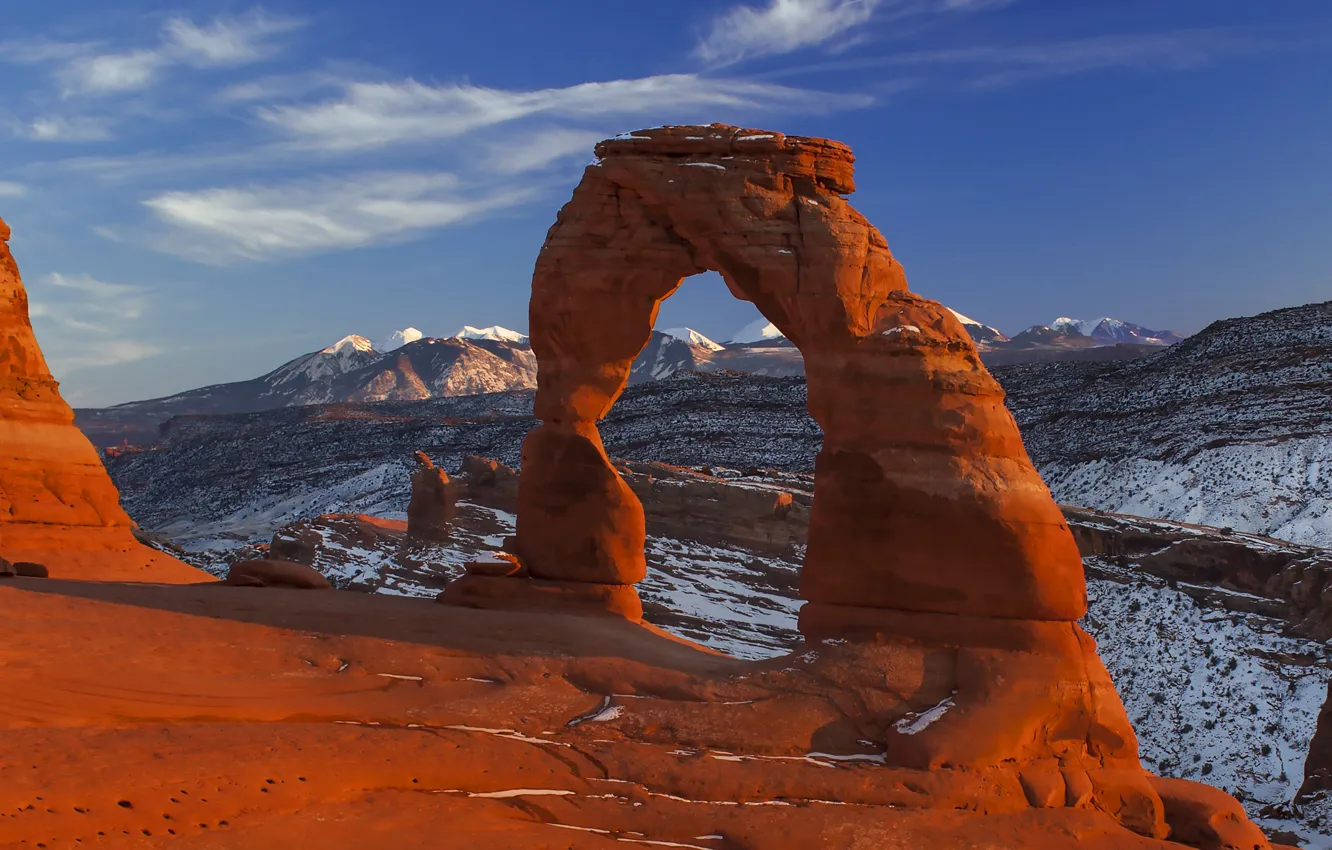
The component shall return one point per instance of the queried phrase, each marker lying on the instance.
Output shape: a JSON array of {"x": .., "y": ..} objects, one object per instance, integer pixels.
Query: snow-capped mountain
[
  {"x": 759, "y": 330},
  {"x": 494, "y": 332},
  {"x": 350, "y": 370},
  {"x": 693, "y": 337},
  {"x": 670, "y": 352},
  {"x": 347, "y": 354},
  {"x": 979, "y": 332},
  {"x": 1108, "y": 331},
  {"x": 398, "y": 339}
]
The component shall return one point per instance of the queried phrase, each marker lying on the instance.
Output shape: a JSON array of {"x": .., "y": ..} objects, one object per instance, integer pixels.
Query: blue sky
[{"x": 201, "y": 191}]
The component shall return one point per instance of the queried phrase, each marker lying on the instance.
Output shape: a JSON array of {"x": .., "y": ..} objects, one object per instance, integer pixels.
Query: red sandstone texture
[
  {"x": 921, "y": 465},
  {"x": 136, "y": 716},
  {"x": 944, "y": 696},
  {"x": 933, "y": 543},
  {"x": 57, "y": 504},
  {"x": 432, "y": 510}
]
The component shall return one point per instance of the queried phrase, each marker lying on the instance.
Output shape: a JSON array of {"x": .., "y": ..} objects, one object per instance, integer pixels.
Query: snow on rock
[
  {"x": 1216, "y": 696},
  {"x": 346, "y": 355},
  {"x": 916, "y": 722},
  {"x": 1064, "y": 324},
  {"x": 1282, "y": 489}
]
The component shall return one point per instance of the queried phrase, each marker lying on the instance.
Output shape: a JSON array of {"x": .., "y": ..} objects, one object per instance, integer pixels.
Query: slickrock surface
[
  {"x": 57, "y": 504},
  {"x": 279, "y": 718}
]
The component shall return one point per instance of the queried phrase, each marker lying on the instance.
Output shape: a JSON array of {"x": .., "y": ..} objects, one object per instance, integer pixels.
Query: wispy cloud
[
  {"x": 268, "y": 222},
  {"x": 374, "y": 115},
  {"x": 37, "y": 50},
  {"x": 785, "y": 26},
  {"x": 9, "y": 189},
  {"x": 540, "y": 148},
  {"x": 780, "y": 27},
  {"x": 57, "y": 128},
  {"x": 222, "y": 41},
  {"x": 226, "y": 41},
  {"x": 84, "y": 322}
]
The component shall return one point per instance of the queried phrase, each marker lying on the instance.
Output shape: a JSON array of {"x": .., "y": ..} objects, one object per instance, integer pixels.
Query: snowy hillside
[{"x": 1228, "y": 428}]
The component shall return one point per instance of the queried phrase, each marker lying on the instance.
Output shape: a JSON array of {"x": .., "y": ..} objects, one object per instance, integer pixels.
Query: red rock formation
[
  {"x": 57, "y": 504},
  {"x": 933, "y": 542},
  {"x": 432, "y": 510},
  {"x": 922, "y": 464},
  {"x": 490, "y": 483}
]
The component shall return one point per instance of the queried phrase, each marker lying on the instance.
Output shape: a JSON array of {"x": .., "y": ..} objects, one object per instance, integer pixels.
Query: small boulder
[
  {"x": 1207, "y": 818},
  {"x": 31, "y": 570},
  {"x": 497, "y": 564},
  {"x": 276, "y": 574}
]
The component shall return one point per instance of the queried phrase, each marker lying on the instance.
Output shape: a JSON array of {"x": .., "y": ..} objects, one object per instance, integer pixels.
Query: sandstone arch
[{"x": 925, "y": 498}]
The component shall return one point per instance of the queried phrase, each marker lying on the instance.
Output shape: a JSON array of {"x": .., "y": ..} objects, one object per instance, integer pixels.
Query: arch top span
[{"x": 925, "y": 497}]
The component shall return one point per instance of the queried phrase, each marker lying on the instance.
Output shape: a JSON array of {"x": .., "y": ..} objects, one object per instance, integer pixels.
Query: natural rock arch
[{"x": 925, "y": 498}]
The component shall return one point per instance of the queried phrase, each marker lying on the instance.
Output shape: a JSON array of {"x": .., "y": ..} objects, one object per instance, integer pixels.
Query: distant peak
[
  {"x": 350, "y": 342},
  {"x": 966, "y": 320},
  {"x": 398, "y": 339},
  {"x": 494, "y": 332},
  {"x": 693, "y": 337},
  {"x": 758, "y": 331}
]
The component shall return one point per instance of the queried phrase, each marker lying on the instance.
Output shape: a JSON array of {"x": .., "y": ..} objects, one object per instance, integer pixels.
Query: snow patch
[{"x": 917, "y": 722}]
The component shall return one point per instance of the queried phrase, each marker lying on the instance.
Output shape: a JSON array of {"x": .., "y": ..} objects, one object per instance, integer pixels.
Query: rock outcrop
[
  {"x": 57, "y": 504},
  {"x": 1318, "y": 763},
  {"x": 933, "y": 544},
  {"x": 268, "y": 573},
  {"x": 433, "y": 507}
]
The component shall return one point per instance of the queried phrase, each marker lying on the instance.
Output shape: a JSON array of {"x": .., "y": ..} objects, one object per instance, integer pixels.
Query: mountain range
[{"x": 408, "y": 365}]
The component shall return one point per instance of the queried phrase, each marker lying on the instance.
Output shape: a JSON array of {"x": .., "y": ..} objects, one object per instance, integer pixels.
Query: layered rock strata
[{"x": 57, "y": 504}]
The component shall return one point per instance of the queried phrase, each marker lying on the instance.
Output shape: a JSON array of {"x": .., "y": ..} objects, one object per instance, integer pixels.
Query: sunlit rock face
[
  {"x": 54, "y": 492},
  {"x": 934, "y": 546}
]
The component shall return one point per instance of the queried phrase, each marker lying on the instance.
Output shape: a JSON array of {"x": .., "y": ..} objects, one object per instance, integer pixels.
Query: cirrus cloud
[
  {"x": 375, "y": 115},
  {"x": 271, "y": 222}
]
